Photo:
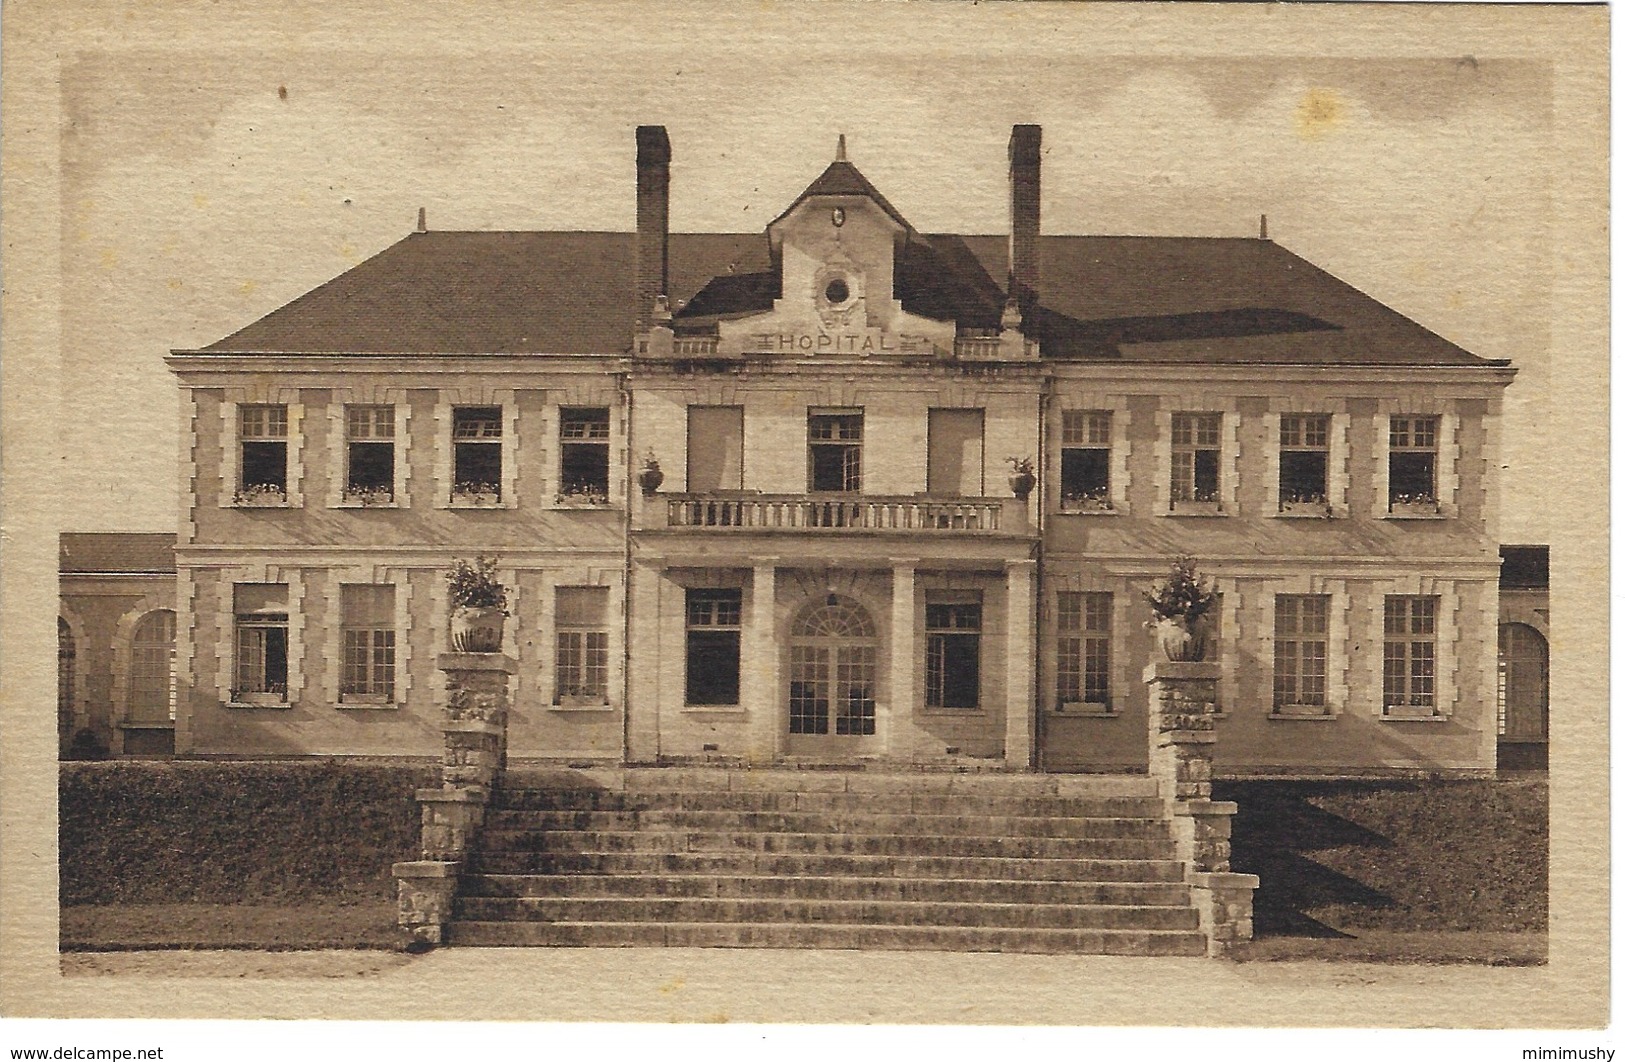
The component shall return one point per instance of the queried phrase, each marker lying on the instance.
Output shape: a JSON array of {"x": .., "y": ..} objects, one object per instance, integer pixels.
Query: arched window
[
  {"x": 832, "y": 665},
  {"x": 152, "y": 669},
  {"x": 66, "y": 666}
]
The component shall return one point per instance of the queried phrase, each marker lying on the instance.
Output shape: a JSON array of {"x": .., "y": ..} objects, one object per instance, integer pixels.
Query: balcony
[{"x": 800, "y": 512}]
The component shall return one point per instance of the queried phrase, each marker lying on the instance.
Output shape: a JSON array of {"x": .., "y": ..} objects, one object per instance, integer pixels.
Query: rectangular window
[
  {"x": 716, "y": 448},
  {"x": 369, "y": 644},
  {"x": 476, "y": 436},
  {"x": 835, "y": 452},
  {"x": 262, "y": 434},
  {"x": 954, "y": 453},
  {"x": 1305, "y": 450},
  {"x": 953, "y": 655},
  {"x": 1195, "y": 459},
  {"x": 1083, "y": 662},
  {"x": 369, "y": 474},
  {"x": 581, "y": 661},
  {"x": 260, "y": 670},
  {"x": 1086, "y": 460},
  {"x": 584, "y": 455},
  {"x": 1413, "y": 457},
  {"x": 713, "y": 647},
  {"x": 1300, "y": 652},
  {"x": 1408, "y": 654}
]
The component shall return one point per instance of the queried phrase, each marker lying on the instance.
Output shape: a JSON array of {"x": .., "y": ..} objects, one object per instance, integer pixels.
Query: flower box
[
  {"x": 368, "y": 497},
  {"x": 476, "y": 495},
  {"x": 1417, "y": 505},
  {"x": 261, "y": 496},
  {"x": 1196, "y": 507},
  {"x": 1086, "y": 503},
  {"x": 1305, "y": 507}
]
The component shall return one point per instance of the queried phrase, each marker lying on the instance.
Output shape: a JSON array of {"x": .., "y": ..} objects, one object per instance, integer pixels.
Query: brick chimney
[
  {"x": 1024, "y": 165},
  {"x": 654, "y": 200}
]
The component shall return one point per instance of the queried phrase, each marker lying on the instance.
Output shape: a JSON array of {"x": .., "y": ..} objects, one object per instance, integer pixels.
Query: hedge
[{"x": 179, "y": 832}]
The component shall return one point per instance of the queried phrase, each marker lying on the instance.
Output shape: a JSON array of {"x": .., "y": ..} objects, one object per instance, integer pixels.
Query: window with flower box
[
  {"x": 260, "y": 667},
  {"x": 1086, "y": 460},
  {"x": 369, "y": 644},
  {"x": 1084, "y": 652},
  {"x": 1305, "y": 449},
  {"x": 1194, "y": 462},
  {"x": 1413, "y": 465},
  {"x": 369, "y": 472},
  {"x": 262, "y": 465},
  {"x": 1302, "y": 623},
  {"x": 1409, "y": 658},
  {"x": 581, "y": 640},
  {"x": 476, "y": 435},
  {"x": 584, "y": 455}
]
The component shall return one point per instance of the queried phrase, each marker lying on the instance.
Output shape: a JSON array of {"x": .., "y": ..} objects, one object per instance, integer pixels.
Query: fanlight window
[{"x": 839, "y": 620}]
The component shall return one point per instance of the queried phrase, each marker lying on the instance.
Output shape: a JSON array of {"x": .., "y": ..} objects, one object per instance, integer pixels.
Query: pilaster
[
  {"x": 760, "y": 677},
  {"x": 905, "y": 653},
  {"x": 1019, "y": 702}
]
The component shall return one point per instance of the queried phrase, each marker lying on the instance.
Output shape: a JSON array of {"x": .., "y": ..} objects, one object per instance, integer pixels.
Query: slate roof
[
  {"x": 1122, "y": 298},
  {"x": 126, "y": 553}
]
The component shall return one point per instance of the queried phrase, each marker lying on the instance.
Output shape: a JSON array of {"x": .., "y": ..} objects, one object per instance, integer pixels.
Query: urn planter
[
  {"x": 650, "y": 479},
  {"x": 477, "y": 630},
  {"x": 1180, "y": 638}
]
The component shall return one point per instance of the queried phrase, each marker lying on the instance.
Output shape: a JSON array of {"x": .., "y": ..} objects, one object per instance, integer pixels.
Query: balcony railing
[{"x": 854, "y": 513}]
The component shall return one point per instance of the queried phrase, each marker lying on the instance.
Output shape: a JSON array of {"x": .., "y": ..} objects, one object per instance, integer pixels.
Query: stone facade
[{"x": 834, "y": 407}]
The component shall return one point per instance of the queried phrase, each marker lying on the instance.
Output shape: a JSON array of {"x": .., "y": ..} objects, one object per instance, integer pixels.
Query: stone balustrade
[{"x": 802, "y": 512}]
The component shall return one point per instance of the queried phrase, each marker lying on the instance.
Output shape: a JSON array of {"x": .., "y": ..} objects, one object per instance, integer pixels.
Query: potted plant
[
  {"x": 478, "y": 606},
  {"x": 650, "y": 477},
  {"x": 1179, "y": 607},
  {"x": 1022, "y": 477}
]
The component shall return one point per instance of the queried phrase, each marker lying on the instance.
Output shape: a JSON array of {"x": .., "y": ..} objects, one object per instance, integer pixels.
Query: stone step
[
  {"x": 743, "y": 863},
  {"x": 836, "y": 912},
  {"x": 828, "y": 822},
  {"x": 940, "y": 890},
  {"x": 677, "y": 840},
  {"x": 841, "y": 780},
  {"x": 792, "y": 935},
  {"x": 877, "y": 803}
]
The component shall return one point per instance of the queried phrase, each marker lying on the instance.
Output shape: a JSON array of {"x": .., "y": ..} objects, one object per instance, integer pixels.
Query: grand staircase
[{"x": 719, "y": 857}]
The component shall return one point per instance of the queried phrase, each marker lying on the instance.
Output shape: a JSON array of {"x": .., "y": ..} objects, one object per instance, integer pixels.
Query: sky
[{"x": 204, "y": 187}]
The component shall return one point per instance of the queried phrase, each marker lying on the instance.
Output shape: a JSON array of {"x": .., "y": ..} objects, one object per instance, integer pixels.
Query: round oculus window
[{"x": 836, "y": 292}]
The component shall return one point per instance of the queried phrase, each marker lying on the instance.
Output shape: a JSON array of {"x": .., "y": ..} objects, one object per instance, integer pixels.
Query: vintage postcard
[{"x": 836, "y": 513}]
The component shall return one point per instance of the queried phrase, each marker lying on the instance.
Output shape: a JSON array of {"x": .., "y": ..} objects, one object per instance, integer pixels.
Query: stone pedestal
[
  {"x": 1182, "y": 737},
  {"x": 475, "y": 726},
  {"x": 424, "y": 891}
]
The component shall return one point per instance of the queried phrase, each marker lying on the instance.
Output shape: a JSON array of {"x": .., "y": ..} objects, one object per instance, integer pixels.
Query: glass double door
[{"x": 832, "y": 676}]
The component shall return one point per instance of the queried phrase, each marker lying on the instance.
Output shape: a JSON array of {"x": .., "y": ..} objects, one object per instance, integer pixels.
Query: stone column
[
  {"x": 475, "y": 726},
  {"x": 1020, "y": 661},
  {"x": 1183, "y": 701},
  {"x": 905, "y": 663},
  {"x": 760, "y": 666}
]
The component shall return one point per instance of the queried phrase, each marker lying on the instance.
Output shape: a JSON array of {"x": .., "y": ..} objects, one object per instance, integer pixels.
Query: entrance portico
[{"x": 853, "y": 658}]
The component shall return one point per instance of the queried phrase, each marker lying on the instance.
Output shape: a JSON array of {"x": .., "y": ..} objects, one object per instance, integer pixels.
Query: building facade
[{"x": 841, "y": 491}]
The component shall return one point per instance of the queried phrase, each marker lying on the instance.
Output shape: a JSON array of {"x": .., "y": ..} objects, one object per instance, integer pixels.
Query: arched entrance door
[
  {"x": 151, "y": 695},
  {"x": 1523, "y": 685},
  {"x": 833, "y": 647}
]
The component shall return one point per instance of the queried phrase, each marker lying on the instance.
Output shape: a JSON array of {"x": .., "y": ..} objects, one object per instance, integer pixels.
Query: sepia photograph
[{"x": 833, "y": 513}]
